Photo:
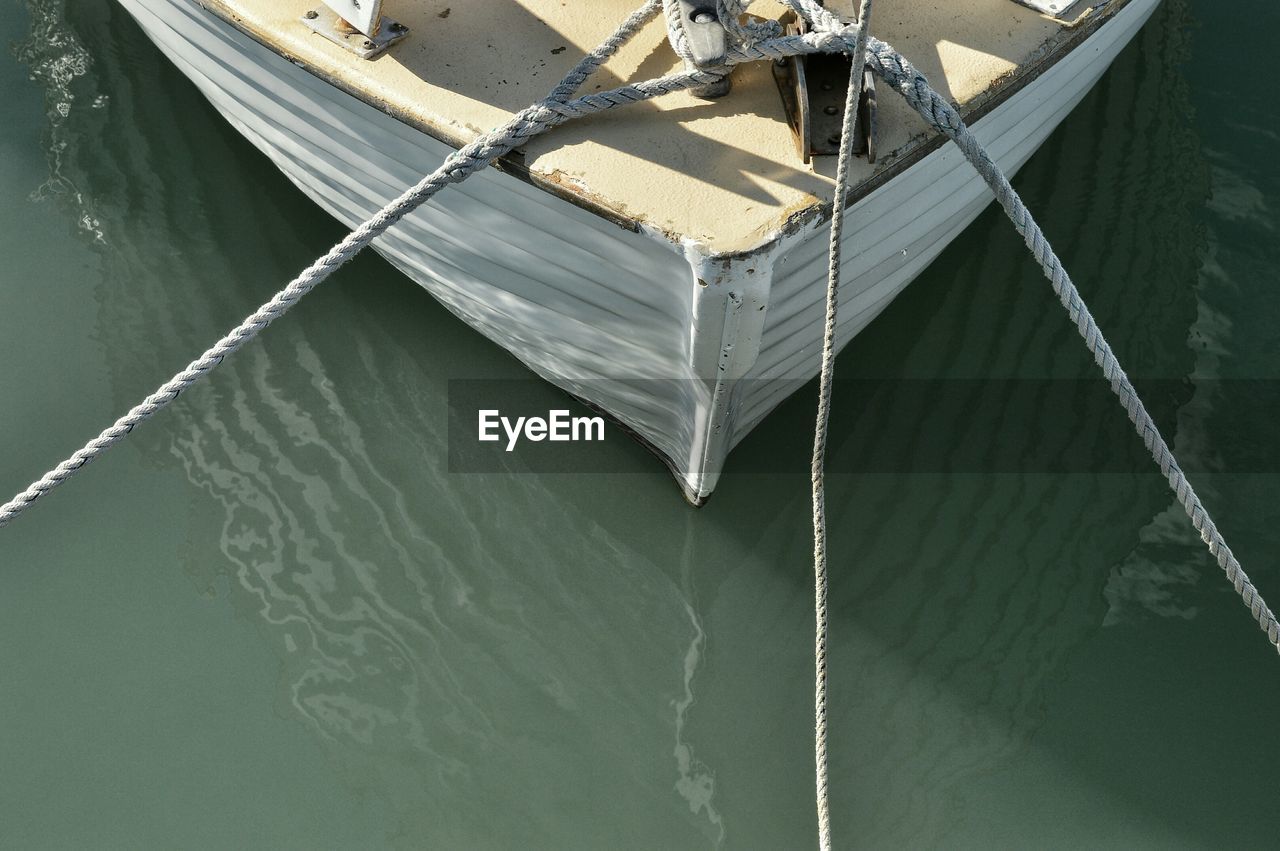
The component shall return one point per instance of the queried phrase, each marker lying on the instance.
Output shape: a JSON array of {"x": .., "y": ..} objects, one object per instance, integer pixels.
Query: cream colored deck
[{"x": 723, "y": 173}]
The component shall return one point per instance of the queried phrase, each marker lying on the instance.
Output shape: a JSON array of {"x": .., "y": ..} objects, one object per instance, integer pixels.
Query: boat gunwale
[{"x": 914, "y": 150}]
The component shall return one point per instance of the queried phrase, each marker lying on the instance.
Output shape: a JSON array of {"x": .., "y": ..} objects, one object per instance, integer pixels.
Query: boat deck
[{"x": 725, "y": 174}]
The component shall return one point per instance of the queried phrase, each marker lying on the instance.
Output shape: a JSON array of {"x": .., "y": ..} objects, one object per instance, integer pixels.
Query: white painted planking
[{"x": 592, "y": 307}]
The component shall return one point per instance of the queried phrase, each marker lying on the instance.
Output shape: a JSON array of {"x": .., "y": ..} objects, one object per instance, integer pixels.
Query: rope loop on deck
[
  {"x": 729, "y": 14},
  {"x": 750, "y": 41}
]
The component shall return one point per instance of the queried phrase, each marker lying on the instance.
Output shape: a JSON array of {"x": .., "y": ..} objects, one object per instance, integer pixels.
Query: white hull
[{"x": 657, "y": 334}]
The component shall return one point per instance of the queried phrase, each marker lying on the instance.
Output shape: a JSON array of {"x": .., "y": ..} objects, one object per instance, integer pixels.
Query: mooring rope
[
  {"x": 899, "y": 73},
  {"x": 750, "y": 42},
  {"x": 817, "y": 469},
  {"x": 530, "y": 122}
]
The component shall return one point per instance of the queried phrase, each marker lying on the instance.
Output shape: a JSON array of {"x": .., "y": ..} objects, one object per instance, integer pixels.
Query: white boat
[{"x": 664, "y": 263}]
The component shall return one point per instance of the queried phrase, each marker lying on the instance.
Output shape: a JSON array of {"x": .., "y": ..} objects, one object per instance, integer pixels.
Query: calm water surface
[{"x": 274, "y": 618}]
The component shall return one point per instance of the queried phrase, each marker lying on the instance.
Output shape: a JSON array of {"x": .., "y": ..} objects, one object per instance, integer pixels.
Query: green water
[{"x": 273, "y": 618}]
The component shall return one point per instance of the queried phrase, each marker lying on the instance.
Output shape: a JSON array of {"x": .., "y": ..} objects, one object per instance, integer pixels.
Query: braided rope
[
  {"x": 748, "y": 44},
  {"x": 816, "y": 16},
  {"x": 729, "y": 13},
  {"x": 530, "y": 122},
  {"x": 817, "y": 469},
  {"x": 899, "y": 73}
]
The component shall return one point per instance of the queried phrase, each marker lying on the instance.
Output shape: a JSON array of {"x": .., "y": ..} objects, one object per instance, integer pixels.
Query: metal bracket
[
  {"x": 364, "y": 15},
  {"x": 708, "y": 42},
  {"x": 325, "y": 22},
  {"x": 814, "y": 89},
  {"x": 1063, "y": 10}
]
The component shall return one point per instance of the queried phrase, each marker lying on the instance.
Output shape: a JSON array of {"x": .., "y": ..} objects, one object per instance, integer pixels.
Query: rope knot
[{"x": 740, "y": 34}]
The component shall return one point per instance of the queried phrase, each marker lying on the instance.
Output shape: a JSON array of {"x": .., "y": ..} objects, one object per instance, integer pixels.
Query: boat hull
[{"x": 688, "y": 350}]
